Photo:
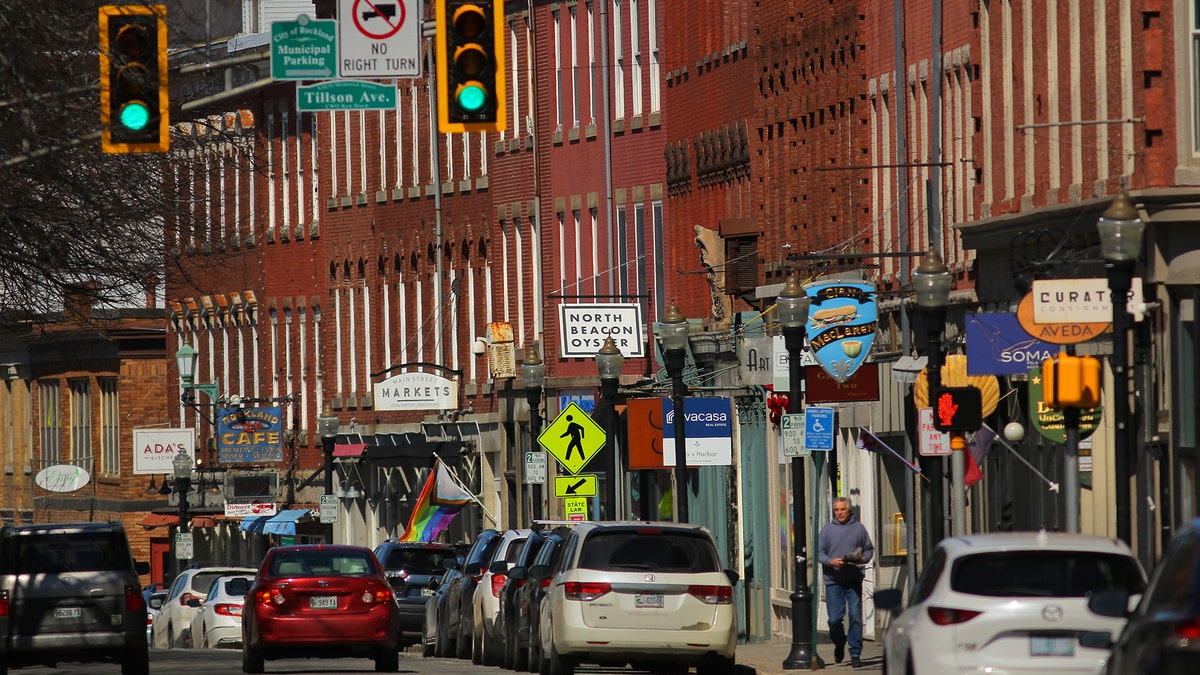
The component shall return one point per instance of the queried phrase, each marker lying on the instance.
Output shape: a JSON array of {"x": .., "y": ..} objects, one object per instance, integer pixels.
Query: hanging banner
[
  {"x": 248, "y": 435},
  {"x": 841, "y": 326}
]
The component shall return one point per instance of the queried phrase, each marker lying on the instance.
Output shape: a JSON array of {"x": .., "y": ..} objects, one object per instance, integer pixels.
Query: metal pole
[
  {"x": 675, "y": 360},
  {"x": 534, "y": 396},
  {"x": 1120, "y": 278},
  {"x": 936, "y": 318},
  {"x": 1070, "y": 485},
  {"x": 958, "y": 501},
  {"x": 608, "y": 396},
  {"x": 327, "y": 443},
  {"x": 803, "y": 650},
  {"x": 183, "y": 485}
]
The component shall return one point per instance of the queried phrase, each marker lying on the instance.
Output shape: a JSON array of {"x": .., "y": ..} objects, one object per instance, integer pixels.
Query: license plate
[
  {"x": 427, "y": 592},
  {"x": 322, "y": 602},
  {"x": 648, "y": 600},
  {"x": 67, "y": 613},
  {"x": 1051, "y": 645}
]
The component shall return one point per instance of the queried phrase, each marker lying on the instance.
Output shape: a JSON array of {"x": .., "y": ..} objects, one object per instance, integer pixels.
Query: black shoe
[
  {"x": 855, "y": 662},
  {"x": 839, "y": 653}
]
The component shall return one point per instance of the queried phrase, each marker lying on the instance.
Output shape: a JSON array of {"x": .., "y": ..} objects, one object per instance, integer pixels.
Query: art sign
[{"x": 841, "y": 326}]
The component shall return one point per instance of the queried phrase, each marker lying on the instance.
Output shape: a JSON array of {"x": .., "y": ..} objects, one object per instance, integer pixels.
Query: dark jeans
[{"x": 842, "y": 599}]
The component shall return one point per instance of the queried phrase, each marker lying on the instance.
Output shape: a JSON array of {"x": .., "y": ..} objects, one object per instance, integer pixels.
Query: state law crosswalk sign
[{"x": 573, "y": 438}]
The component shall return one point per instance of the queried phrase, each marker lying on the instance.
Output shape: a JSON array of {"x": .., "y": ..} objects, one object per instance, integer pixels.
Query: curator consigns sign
[{"x": 416, "y": 391}]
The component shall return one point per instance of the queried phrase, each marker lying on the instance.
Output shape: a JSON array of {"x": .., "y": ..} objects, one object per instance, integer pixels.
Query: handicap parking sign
[{"x": 818, "y": 428}]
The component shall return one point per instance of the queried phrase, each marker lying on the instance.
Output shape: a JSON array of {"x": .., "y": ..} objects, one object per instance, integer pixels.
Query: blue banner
[
  {"x": 998, "y": 345},
  {"x": 250, "y": 435}
]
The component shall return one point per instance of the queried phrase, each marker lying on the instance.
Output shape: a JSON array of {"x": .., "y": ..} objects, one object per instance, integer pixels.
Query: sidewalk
[{"x": 766, "y": 658}]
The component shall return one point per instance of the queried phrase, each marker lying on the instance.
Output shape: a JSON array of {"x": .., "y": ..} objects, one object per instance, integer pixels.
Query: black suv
[
  {"x": 73, "y": 594},
  {"x": 410, "y": 566}
]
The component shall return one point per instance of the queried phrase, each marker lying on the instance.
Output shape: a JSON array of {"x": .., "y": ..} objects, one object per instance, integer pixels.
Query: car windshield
[
  {"x": 323, "y": 563},
  {"x": 653, "y": 550},
  {"x": 1049, "y": 574},
  {"x": 54, "y": 553},
  {"x": 418, "y": 560}
]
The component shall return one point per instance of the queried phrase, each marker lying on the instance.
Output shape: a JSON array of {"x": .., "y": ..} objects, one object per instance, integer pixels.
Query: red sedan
[{"x": 319, "y": 601}]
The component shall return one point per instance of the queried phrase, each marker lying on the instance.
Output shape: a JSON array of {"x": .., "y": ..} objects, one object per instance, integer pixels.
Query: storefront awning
[
  {"x": 154, "y": 520},
  {"x": 349, "y": 449},
  {"x": 283, "y": 522},
  {"x": 410, "y": 449}
]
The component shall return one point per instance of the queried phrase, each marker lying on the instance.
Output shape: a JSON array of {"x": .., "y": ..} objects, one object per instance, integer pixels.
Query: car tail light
[
  {"x": 226, "y": 609},
  {"x": 712, "y": 595},
  {"x": 270, "y": 596},
  {"x": 546, "y": 582},
  {"x": 1188, "y": 629},
  {"x": 134, "y": 602},
  {"x": 497, "y": 584},
  {"x": 3, "y": 603},
  {"x": 946, "y": 616},
  {"x": 585, "y": 590},
  {"x": 373, "y": 595}
]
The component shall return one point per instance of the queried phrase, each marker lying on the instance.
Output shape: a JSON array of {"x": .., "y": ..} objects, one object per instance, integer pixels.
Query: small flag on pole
[{"x": 440, "y": 501}]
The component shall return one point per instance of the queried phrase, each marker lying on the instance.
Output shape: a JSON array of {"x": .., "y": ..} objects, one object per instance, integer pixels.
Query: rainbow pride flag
[{"x": 440, "y": 501}]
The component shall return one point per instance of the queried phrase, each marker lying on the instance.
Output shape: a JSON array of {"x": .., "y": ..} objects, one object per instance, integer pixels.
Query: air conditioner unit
[{"x": 251, "y": 485}]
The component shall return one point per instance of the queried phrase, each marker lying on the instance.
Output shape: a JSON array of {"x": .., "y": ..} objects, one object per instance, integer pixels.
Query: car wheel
[
  {"x": 462, "y": 645},
  {"x": 185, "y": 638},
  {"x": 715, "y": 665},
  {"x": 387, "y": 661},
  {"x": 908, "y": 668},
  {"x": 491, "y": 650},
  {"x": 426, "y": 645},
  {"x": 558, "y": 665},
  {"x": 252, "y": 661},
  {"x": 203, "y": 637},
  {"x": 519, "y": 655},
  {"x": 534, "y": 664},
  {"x": 137, "y": 663},
  {"x": 170, "y": 636}
]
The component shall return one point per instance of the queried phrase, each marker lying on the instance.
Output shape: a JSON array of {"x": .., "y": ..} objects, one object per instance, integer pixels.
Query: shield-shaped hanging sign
[{"x": 841, "y": 326}]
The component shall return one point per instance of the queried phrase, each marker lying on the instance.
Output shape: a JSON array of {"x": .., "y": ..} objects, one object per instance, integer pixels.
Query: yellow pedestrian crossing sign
[
  {"x": 576, "y": 485},
  {"x": 573, "y": 438}
]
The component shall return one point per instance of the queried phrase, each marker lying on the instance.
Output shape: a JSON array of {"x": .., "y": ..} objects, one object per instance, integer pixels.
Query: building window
[
  {"x": 81, "y": 420},
  {"x": 50, "y": 425},
  {"x": 110, "y": 425}
]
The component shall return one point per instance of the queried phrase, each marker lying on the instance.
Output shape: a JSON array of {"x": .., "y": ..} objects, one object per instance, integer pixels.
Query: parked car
[
  {"x": 1162, "y": 635},
  {"x": 409, "y": 567},
  {"x": 487, "y": 645},
  {"x": 71, "y": 593},
  {"x": 650, "y": 594},
  {"x": 153, "y": 605},
  {"x": 432, "y": 643},
  {"x": 518, "y": 614},
  {"x": 219, "y": 621},
  {"x": 173, "y": 625},
  {"x": 320, "y": 601},
  {"x": 1007, "y": 602},
  {"x": 457, "y": 614}
]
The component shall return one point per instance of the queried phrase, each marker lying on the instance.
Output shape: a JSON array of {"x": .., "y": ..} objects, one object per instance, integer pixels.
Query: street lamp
[
  {"x": 931, "y": 282},
  {"x": 792, "y": 315},
  {"x": 533, "y": 374},
  {"x": 182, "y": 466},
  {"x": 1121, "y": 243},
  {"x": 673, "y": 332},
  {"x": 187, "y": 357},
  {"x": 609, "y": 363},
  {"x": 327, "y": 426}
]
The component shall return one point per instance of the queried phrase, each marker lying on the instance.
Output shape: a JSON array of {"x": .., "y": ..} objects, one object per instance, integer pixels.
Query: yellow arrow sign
[
  {"x": 573, "y": 438},
  {"x": 581, "y": 485}
]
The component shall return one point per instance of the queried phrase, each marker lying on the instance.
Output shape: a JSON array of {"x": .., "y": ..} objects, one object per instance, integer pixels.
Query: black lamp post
[
  {"x": 327, "y": 426},
  {"x": 609, "y": 362},
  {"x": 182, "y": 466},
  {"x": 1121, "y": 243},
  {"x": 533, "y": 374},
  {"x": 931, "y": 282},
  {"x": 673, "y": 332},
  {"x": 792, "y": 315}
]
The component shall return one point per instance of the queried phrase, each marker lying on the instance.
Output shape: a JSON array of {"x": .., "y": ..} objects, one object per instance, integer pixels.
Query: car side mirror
[
  {"x": 194, "y": 602},
  {"x": 733, "y": 577},
  {"x": 889, "y": 599},
  {"x": 498, "y": 567},
  {"x": 239, "y": 585},
  {"x": 517, "y": 573},
  {"x": 141, "y": 567},
  {"x": 449, "y": 563},
  {"x": 539, "y": 572},
  {"x": 1111, "y": 603},
  {"x": 434, "y": 583}
]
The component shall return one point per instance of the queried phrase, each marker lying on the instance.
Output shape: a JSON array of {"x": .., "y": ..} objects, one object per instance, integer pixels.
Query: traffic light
[
  {"x": 133, "y": 79},
  {"x": 1071, "y": 382},
  {"x": 957, "y": 408},
  {"x": 470, "y": 65}
]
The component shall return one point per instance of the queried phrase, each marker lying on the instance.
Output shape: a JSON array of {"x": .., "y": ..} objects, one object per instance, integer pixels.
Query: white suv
[
  {"x": 1009, "y": 602},
  {"x": 485, "y": 649},
  {"x": 648, "y": 594},
  {"x": 173, "y": 625}
]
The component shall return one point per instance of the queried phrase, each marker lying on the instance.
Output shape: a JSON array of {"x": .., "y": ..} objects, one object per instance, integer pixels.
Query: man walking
[{"x": 844, "y": 546}]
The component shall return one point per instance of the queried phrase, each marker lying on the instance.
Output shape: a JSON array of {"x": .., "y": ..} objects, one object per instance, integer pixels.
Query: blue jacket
[{"x": 838, "y": 539}]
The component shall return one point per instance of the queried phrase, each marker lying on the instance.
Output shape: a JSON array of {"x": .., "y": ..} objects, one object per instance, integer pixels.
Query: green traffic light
[
  {"x": 134, "y": 116},
  {"x": 472, "y": 97}
]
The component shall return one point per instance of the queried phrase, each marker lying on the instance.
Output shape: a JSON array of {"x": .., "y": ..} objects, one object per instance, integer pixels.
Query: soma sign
[{"x": 416, "y": 391}]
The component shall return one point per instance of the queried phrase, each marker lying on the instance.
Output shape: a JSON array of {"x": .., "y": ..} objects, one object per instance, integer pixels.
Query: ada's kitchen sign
[
  {"x": 153, "y": 449},
  {"x": 416, "y": 391}
]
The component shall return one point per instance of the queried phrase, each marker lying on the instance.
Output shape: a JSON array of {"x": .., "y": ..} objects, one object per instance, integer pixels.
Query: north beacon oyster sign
[
  {"x": 583, "y": 328},
  {"x": 416, "y": 391}
]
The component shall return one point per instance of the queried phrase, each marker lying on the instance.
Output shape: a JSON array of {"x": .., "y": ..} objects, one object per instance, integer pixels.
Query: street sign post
[
  {"x": 345, "y": 95},
  {"x": 536, "y": 467},
  {"x": 819, "y": 429},
  {"x": 792, "y": 426},
  {"x": 329, "y": 509},
  {"x": 581, "y": 485},
  {"x": 573, "y": 438},
  {"x": 304, "y": 49},
  {"x": 933, "y": 443},
  {"x": 184, "y": 549}
]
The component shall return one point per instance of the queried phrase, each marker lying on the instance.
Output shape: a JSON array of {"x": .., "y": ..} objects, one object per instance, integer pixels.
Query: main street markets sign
[
  {"x": 250, "y": 435},
  {"x": 416, "y": 391}
]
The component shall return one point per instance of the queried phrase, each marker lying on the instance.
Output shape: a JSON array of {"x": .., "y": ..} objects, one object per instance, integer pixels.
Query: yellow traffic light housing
[
  {"x": 1071, "y": 382},
  {"x": 470, "y": 66},
  {"x": 134, "y": 102}
]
